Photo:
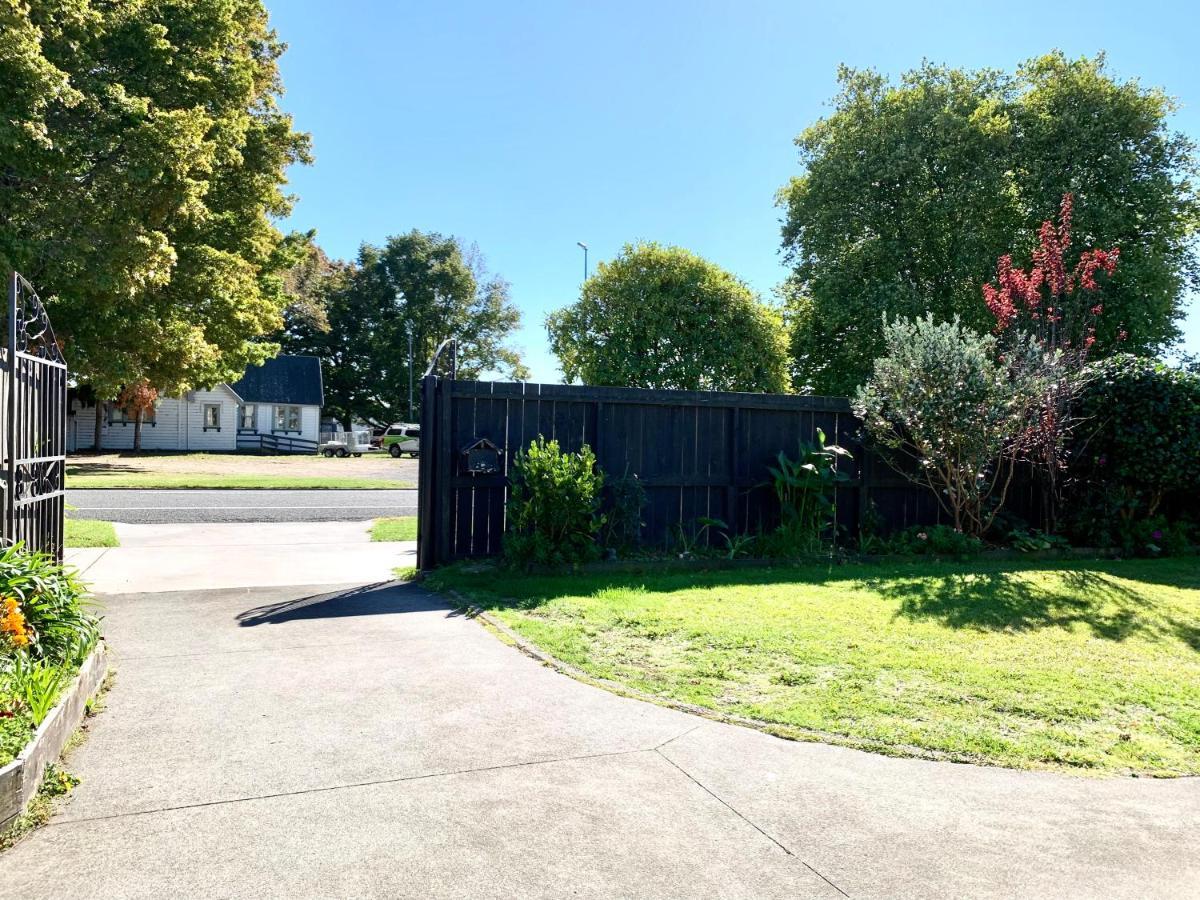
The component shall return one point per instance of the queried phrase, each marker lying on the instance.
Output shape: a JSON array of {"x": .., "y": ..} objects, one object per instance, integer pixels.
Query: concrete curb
[
  {"x": 785, "y": 733},
  {"x": 21, "y": 778}
]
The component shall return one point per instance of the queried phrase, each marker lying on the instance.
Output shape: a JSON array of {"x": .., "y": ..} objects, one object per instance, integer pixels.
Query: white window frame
[
  {"x": 282, "y": 418},
  {"x": 252, "y": 409},
  {"x": 118, "y": 416},
  {"x": 204, "y": 417}
]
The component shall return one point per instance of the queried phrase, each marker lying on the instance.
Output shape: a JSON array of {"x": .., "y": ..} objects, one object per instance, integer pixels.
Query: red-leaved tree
[
  {"x": 137, "y": 399},
  {"x": 1058, "y": 306}
]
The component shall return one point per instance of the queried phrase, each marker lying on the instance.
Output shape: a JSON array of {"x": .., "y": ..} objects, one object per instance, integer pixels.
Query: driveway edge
[{"x": 899, "y": 751}]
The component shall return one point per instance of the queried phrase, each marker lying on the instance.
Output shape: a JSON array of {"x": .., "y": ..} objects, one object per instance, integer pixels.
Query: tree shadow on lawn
[
  {"x": 1114, "y": 599},
  {"x": 384, "y": 598},
  {"x": 1004, "y": 601},
  {"x": 99, "y": 468}
]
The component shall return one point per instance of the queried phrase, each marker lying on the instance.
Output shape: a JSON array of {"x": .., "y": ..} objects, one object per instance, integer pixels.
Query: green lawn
[
  {"x": 230, "y": 480},
  {"x": 394, "y": 528},
  {"x": 89, "y": 533},
  {"x": 1087, "y": 666}
]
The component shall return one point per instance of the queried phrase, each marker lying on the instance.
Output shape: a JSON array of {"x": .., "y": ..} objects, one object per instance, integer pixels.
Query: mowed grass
[
  {"x": 90, "y": 533},
  {"x": 78, "y": 481},
  {"x": 1083, "y": 666},
  {"x": 394, "y": 528}
]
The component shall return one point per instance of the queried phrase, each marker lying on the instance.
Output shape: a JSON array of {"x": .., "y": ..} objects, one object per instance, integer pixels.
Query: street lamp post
[
  {"x": 585, "y": 265},
  {"x": 400, "y": 301},
  {"x": 408, "y": 328}
]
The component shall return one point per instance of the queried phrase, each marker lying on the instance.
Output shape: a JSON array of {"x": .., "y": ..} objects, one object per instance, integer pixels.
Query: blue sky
[{"x": 527, "y": 126}]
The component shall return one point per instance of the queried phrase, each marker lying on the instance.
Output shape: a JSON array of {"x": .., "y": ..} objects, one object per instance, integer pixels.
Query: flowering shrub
[
  {"x": 46, "y": 631},
  {"x": 1056, "y": 308},
  {"x": 1048, "y": 302},
  {"x": 13, "y": 630},
  {"x": 947, "y": 413}
]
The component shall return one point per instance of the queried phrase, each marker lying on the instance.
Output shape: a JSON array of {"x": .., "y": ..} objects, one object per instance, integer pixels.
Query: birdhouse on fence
[{"x": 483, "y": 457}]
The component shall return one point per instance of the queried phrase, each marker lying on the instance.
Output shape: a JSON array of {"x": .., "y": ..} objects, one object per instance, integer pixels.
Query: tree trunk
[
  {"x": 137, "y": 432},
  {"x": 99, "y": 425}
]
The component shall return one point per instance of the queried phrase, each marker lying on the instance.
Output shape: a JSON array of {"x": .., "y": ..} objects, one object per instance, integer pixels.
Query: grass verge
[
  {"x": 90, "y": 533},
  {"x": 239, "y": 481},
  {"x": 1082, "y": 666},
  {"x": 394, "y": 528}
]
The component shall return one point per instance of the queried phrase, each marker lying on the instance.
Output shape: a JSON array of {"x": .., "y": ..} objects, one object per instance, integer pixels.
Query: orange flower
[{"x": 12, "y": 622}]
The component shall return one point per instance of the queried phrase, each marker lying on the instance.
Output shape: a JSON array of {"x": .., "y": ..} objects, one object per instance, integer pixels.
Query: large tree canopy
[
  {"x": 912, "y": 191},
  {"x": 662, "y": 317},
  {"x": 142, "y": 159},
  {"x": 425, "y": 284}
]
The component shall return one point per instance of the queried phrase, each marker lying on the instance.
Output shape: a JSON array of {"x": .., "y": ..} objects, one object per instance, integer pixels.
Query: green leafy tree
[
  {"x": 142, "y": 161},
  {"x": 421, "y": 283},
  {"x": 662, "y": 317},
  {"x": 911, "y": 191}
]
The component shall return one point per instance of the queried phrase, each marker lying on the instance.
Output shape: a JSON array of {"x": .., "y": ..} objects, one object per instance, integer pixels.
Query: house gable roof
[{"x": 284, "y": 379}]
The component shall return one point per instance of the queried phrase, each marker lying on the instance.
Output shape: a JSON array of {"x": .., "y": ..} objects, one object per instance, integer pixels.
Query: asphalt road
[{"x": 154, "y": 507}]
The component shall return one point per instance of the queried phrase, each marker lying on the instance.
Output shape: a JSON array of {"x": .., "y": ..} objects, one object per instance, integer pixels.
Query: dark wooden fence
[
  {"x": 33, "y": 424},
  {"x": 697, "y": 454}
]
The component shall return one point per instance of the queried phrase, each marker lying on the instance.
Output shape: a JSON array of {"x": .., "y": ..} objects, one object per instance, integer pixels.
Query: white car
[{"x": 401, "y": 439}]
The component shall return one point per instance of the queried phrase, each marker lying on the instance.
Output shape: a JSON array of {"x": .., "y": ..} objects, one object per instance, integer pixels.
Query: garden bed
[
  {"x": 21, "y": 778},
  {"x": 1070, "y": 665}
]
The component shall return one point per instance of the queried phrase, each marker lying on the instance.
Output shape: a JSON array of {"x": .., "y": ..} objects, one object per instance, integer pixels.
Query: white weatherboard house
[{"x": 275, "y": 406}]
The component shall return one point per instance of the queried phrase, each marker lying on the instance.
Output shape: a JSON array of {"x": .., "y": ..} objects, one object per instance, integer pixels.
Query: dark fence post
[
  {"x": 443, "y": 493},
  {"x": 427, "y": 501}
]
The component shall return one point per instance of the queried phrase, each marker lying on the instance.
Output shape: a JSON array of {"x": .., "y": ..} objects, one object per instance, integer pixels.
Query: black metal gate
[{"x": 33, "y": 423}]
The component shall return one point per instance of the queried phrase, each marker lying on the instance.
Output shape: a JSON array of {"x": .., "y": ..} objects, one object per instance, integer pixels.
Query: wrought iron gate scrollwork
[{"x": 33, "y": 416}]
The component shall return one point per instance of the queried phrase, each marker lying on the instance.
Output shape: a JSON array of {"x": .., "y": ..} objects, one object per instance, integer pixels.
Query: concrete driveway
[
  {"x": 205, "y": 556},
  {"x": 368, "y": 741}
]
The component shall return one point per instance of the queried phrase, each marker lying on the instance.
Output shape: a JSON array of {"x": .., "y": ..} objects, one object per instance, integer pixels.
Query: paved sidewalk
[
  {"x": 204, "y": 556},
  {"x": 371, "y": 742}
]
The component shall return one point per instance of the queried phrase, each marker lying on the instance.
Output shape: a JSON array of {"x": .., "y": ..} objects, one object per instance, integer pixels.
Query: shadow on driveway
[{"x": 384, "y": 597}]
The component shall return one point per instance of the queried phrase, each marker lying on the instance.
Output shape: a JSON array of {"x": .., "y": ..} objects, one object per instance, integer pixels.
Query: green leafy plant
[
  {"x": 623, "y": 516},
  {"x": 54, "y": 605},
  {"x": 738, "y": 545},
  {"x": 935, "y": 540},
  {"x": 553, "y": 506},
  {"x": 58, "y": 781},
  {"x": 1138, "y": 446},
  {"x": 806, "y": 490},
  {"x": 1030, "y": 541},
  {"x": 695, "y": 538},
  {"x": 38, "y": 683}
]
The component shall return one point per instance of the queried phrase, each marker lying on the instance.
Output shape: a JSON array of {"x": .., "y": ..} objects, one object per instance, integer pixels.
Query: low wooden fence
[
  {"x": 275, "y": 443},
  {"x": 697, "y": 454}
]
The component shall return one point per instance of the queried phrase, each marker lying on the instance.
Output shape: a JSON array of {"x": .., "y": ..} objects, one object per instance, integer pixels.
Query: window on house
[
  {"x": 118, "y": 416},
  {"x": 247, "y": 418},
  {"x": 212, "y": 416},
  {"x": 287, "y": 418}
]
